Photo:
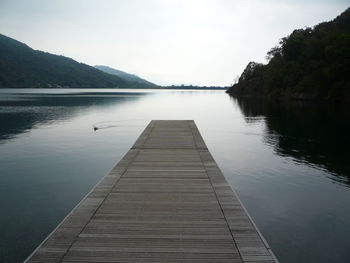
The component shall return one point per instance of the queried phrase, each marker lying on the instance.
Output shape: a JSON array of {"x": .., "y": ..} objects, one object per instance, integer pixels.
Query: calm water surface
[{"x": 288, "y": 163}]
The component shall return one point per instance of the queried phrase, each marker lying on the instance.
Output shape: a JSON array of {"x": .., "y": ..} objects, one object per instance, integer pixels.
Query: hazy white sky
[{"x": 203, "y": 42}]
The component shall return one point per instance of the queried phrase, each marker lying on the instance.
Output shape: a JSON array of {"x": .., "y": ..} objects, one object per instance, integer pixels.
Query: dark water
[{"x": 289, "y": 163}]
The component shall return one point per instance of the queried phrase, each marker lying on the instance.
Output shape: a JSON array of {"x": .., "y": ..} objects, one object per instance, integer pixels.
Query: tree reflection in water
[{"x": 315, "y": 134}]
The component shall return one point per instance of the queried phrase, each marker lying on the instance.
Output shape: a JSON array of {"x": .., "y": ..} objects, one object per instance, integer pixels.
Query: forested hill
[
  {"x": 22, "y": 66},
  {"x": 126, "y": 76},
  {"x": 311, "y": 63}
]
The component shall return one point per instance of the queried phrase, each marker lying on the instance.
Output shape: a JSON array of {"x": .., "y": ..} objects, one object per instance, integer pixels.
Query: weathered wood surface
[{"x": 165, "y": 201}]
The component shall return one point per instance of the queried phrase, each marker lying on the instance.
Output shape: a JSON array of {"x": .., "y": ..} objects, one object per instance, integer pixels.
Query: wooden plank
[{"x": 165, "y": 201}]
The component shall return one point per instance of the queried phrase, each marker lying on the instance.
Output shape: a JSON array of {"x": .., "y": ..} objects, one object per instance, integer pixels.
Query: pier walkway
[{"x": 165, "y": 201}]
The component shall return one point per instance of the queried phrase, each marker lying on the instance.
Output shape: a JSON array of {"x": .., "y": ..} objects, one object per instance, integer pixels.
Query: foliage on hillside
[
  {"x": 22, "y": 66},
  {"x": 311, "y": 63}
]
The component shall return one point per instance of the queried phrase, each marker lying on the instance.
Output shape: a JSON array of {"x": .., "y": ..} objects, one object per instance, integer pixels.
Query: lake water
[{"x": 289, "y": 163}]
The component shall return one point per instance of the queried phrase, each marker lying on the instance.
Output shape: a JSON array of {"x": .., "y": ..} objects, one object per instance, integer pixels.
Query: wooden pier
[{"x": 165, "y": 201}]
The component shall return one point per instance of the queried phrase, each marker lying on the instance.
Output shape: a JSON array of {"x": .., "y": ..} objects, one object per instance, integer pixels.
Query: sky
[{"x": 199, "y": 42}]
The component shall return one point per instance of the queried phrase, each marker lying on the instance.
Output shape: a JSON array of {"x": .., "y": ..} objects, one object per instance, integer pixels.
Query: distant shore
[{"x": 157, "y": 87}]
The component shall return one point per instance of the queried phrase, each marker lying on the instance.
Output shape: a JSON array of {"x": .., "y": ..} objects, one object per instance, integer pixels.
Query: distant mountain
[
  {"x": 24, "y": 67},
  {"x": 126, "y": 76},
  {"x": 311, "y": 63}
]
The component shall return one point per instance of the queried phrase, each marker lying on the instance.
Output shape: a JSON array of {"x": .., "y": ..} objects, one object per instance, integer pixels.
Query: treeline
[
  {"x": 194, "y": 87},
  {"x": 311, "y": 63}
]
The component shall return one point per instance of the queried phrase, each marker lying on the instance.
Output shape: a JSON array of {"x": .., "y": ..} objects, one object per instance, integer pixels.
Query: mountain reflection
[
  {"x": 311, "y": 133},
  {"x": 21, "y": 113}
]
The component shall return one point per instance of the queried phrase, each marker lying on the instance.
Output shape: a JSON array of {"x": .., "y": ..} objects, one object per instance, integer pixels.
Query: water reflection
[
  {"x": 48, "y": 147},
  {"x": 54, "y": 157},
  {"x": 311, "y": 133},
  {"x": 22, "y": 112}
]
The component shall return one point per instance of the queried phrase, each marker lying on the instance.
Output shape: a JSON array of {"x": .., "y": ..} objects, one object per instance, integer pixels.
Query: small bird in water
[{"x": 95, "y": 128}]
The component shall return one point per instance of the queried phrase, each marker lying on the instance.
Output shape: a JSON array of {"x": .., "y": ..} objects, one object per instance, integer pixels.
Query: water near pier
[{"x": 288, "y": 162}]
